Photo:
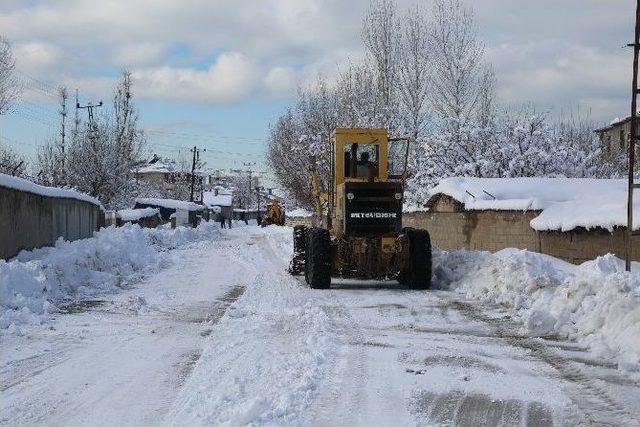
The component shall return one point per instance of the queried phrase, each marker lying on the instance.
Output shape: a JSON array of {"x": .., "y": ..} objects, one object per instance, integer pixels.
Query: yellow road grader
[{"x": 359, "y": 234}]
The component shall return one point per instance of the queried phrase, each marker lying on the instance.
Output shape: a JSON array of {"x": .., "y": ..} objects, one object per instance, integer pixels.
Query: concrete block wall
[
  {"x": 29, "y": 220},
  {"x": 492, "y": 231}
]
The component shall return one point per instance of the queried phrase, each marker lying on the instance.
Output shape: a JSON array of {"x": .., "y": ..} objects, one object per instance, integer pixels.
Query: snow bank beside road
[
  {"x": 36, "y": 283},
  {"x": 596, "y": 303}
]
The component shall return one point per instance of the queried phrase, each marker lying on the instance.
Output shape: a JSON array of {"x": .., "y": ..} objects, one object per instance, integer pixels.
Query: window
[
  {"x": 397, "y": 153},
  {"x": 622, "y": 140},
  {"x": 361, "y": 160}
]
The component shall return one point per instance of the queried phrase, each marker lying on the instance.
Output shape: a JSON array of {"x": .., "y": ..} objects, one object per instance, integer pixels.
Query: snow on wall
[
  {"x": 22, "y": 184},
  {"x": 566, "y": 203},
  {"x": 596, "y": 303},
  {"x": 171, "y": 204},
  {"x": 37, "y": 284}
]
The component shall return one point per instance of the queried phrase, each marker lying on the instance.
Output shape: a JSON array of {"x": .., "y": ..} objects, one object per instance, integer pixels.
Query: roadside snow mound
[
  {"x": 596, "y": 303},
  {"x": 38, "y": 283}
]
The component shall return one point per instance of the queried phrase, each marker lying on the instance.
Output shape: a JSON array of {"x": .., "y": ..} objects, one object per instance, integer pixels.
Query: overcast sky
[{"x": 216, "y": 73}]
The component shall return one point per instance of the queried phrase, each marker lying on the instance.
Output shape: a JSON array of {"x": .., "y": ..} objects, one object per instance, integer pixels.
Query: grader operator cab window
[
  {"x": 397, "y": 153},
  {"x": 361, "y": 161}
]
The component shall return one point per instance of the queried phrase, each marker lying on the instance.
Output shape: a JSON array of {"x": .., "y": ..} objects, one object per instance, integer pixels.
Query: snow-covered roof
[
  {"x": 171, "y": 204},
  {"x": 31, "y": 187},
  {"x": 137, "y": 214},
  {"x": 298, "y": 213},
  {"x": 566, "y": 203},
  {"x": 209, "y": 198}
]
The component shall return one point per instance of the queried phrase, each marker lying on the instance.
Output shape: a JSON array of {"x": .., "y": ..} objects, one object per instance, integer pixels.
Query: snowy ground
[{"x": 218, "y": 333}]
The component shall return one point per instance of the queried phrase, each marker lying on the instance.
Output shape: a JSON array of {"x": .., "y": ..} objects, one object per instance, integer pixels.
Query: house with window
[{"x": 614, "y": 139}]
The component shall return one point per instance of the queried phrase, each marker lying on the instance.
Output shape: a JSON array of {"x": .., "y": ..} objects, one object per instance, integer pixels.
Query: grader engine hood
[{"x": 372, "y": 208}]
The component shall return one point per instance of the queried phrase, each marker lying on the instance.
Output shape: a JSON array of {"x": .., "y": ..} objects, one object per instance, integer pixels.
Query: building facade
[{"x": 614, "y": 139}]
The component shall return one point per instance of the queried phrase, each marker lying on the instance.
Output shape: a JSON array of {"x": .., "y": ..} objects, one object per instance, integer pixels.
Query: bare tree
[
  {"x": 381, "y": 38},
  {"x": 457, "y": 63},
  {"x": 12, "y": 163},
  {"x": 99, "y": 159},
  {"x": 9, "y": 85},
  {"x": 358, "y": 104},
  {"x": 486, "y": 109},
  {"x": 414, "y": 71}
]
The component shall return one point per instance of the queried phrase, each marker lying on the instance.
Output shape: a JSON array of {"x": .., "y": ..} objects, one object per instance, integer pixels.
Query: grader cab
[{"x": 360, "y": 234}]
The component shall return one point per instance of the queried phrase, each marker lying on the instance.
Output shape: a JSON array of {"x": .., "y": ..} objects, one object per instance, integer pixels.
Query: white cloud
[
  {"x": 539, "y": 55},
  {"x": 280, "y": 82},
  {"x": 230, "y": 78},
  {"x": 138, "y": 54},
  {"x": 36, "y": 56}
]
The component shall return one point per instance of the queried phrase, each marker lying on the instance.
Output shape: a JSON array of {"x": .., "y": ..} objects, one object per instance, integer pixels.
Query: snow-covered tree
[
  {"x": 9, "y": 85},
  {"x": 11, "y": 163},
  {"x": 99, "y": 158},
  {"x": 428, "y": 79}
]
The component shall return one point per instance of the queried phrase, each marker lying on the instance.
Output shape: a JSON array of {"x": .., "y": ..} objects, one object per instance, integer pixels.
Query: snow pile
[
  {"x": 596, "y": 303},
  {"x": 266, "y": 360},
  {"x": 270, "y": 352},
  {"x": 171, "y": 204},
  {"x": 566, "y": 203},
  {"x": 22, "y": 184},
  {"x": 137, "y": 214},
  {"x": 39, "y": 283}
]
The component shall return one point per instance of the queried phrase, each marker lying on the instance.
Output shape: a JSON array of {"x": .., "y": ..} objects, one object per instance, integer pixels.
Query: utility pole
[
  {"x": 89, "y": 107},
  {"x": 76, "y": 120},
  {"x": 63, "y": 118},
  {"x": 250, "y": 171},
  {"x": 196, "y": 159},
  {"x": 633, "y": 139}
]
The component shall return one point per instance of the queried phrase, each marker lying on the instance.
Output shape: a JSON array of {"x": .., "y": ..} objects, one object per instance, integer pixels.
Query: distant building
[
  {"x": 614, "y": 139},
  {"x": 167, "y": 174},
  {"x": 160, "y": 173},
  {"x": 221, "y": 198}
]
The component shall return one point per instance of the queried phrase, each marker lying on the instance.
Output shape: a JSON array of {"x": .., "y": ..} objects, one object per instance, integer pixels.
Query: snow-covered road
[{"x": 226, "y": 336}]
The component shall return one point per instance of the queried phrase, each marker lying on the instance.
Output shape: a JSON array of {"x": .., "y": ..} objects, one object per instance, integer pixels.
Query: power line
[
  {"x": 31, "y": 117},
  {"x": 216, "y": 138},
  {"x": 209, "y": 150},
  {"x": 45, "y": 86}
]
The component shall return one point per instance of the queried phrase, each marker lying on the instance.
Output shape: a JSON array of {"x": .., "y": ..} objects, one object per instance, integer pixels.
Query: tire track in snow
[
  {"x": 218, "y": 310},
  {"x": 595, "y": 404}
]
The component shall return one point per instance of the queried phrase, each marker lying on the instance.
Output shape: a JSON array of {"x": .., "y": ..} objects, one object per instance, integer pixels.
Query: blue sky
[{"x": 215, "y": 73}]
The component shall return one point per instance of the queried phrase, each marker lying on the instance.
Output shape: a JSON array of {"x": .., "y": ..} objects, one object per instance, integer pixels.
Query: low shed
[
  {"x": 221, "y": 198},
  {"x": 573, "y": 219},
  {"x": 168, "y": 207}
]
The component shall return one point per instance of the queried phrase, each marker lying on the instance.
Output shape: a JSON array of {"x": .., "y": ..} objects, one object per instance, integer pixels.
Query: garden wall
[
  {"x": 29, "y": 220},
  {"x": 451, "y": 228}
]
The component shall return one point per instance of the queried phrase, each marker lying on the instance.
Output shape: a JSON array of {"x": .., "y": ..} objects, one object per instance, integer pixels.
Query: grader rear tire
[
  {"x": 318, "y": 262},
  {"x": 417, "y": 272}
]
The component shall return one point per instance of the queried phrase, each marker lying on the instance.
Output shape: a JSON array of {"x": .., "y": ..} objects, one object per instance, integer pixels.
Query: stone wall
[
  {"x": 28, "y": 220},
  {"x": 451, "y": 228}
]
